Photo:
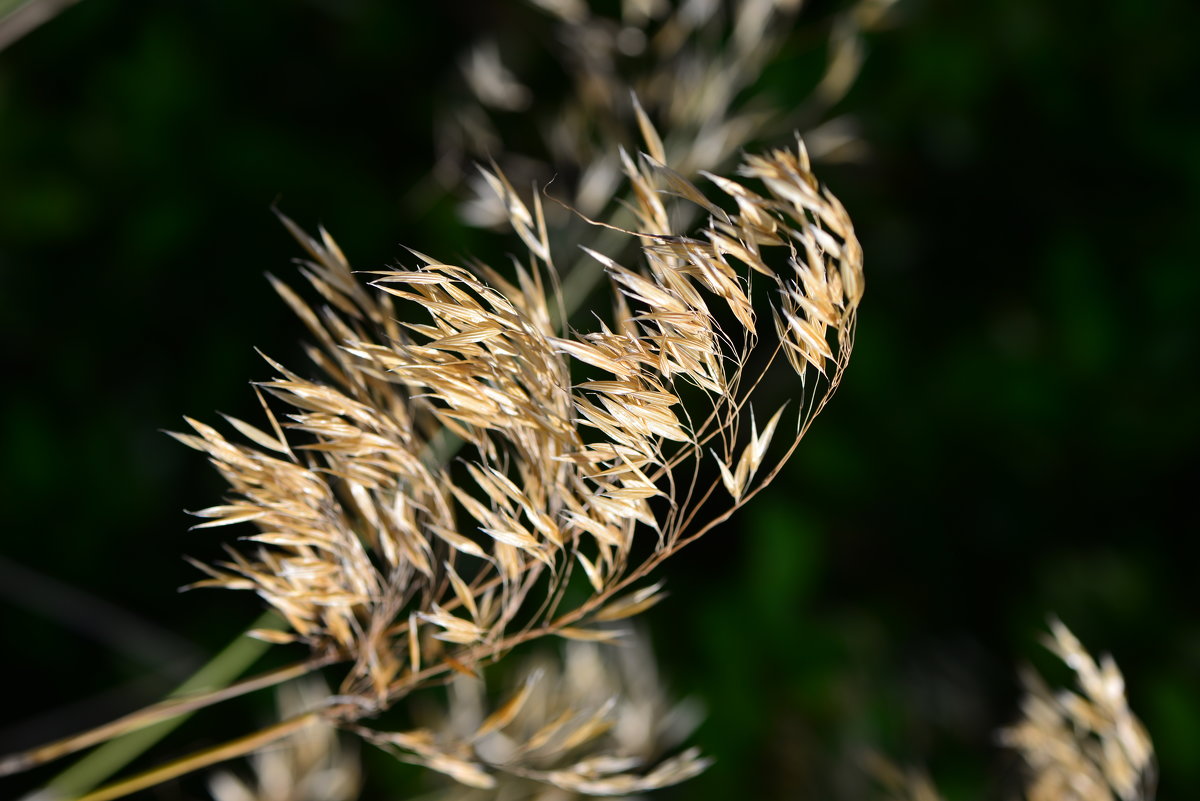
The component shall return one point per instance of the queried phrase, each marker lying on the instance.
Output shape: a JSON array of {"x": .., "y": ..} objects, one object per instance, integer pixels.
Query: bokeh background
[{"x": 1016, "y": 436}]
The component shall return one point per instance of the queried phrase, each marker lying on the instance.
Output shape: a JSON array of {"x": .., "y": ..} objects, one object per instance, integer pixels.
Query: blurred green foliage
[{"x": 1016, "y": 436}]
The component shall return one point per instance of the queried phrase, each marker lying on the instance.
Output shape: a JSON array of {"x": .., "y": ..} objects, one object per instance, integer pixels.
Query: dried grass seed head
[{"x": 379, "y": 552}]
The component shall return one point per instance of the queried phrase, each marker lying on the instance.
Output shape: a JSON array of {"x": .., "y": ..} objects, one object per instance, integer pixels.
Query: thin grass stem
[{"x": 203, "y": 759}]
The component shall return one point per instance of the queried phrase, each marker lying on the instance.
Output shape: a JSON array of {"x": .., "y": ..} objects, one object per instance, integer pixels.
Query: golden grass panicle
[
  {"x": 585, "y": 458},
  {"x": 465, "y": 458},
  {"x": 380, "y": 552},
  {"x": 1086, "y": 745}
]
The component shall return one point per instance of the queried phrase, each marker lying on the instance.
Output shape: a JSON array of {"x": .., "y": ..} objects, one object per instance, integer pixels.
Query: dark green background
[{"x": 1016, "y": 436}]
